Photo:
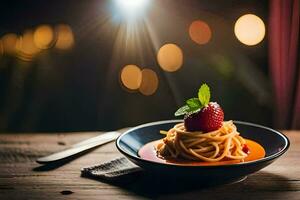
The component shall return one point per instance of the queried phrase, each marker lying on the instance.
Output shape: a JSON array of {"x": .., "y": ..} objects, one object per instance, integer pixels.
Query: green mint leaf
[
  {"x": 186, "y": 109},
  {"x": 204, "y": 94},
  {"x": 182, "y": 110},
  {"x": 194, "y": 110},
  {"x": 193, "y": 103}
]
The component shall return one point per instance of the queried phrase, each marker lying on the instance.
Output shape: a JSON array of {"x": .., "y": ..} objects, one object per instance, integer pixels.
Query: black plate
[{"x": 274, "y": 143}]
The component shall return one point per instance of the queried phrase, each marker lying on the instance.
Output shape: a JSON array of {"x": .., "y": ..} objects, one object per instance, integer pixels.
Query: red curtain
[{"x": 283, "y": 33}]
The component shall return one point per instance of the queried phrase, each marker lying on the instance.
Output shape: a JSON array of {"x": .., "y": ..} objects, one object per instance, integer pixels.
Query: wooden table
[{"x": 22, "y": 178}]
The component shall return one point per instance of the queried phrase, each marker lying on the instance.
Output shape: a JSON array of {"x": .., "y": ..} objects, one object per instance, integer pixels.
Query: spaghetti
[{"x": 224, "y": 143}]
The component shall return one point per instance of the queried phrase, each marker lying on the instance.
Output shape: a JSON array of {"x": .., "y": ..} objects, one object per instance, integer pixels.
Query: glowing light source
[
  {"x": 200, "y": 32},
  {"x": 149, "y": 82},
  {"x": 170, "y": 57},
  {"x": 43, "y": 36},
  {"x": 131, "y": 77},
  {"x": 131, "y": 7},
  {"x": 9, "y": 43},
  {"x": 249, "y": 29},
  {"x": 65, "y": 37}
]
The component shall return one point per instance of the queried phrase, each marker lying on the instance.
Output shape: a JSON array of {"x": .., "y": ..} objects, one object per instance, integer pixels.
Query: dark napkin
[
  {"x": 121, "y": 172},
  {"x": 115, "y": 169}
]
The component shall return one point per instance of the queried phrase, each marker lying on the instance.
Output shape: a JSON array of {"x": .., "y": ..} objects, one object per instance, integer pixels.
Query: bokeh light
[
  {"x": 149, "y": 82},
  {"x": 9, "y": 42},
  {"x": 65, "y": 37},
  {"x": 200, "y": 32},
  {"x": 25, "y": 47},
  {"x": 1, "y": 48},
  {"x": 131, "y": 77},
  {"x": 43, "y": 36},
  {"x": 170, "y": 57},
  {"x": 249, "y": 29}
]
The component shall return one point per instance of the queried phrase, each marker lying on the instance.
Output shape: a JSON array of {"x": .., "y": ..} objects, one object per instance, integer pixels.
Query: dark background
[{"x": 79, "y": 89}]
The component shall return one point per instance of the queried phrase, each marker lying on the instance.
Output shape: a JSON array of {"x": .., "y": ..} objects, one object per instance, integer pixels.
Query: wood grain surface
[{"x": 22, "y": 178}]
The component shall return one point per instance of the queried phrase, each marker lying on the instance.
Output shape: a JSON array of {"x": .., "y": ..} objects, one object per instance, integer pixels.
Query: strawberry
[
  {"x": 209, "y": 118},
  {"x": 191, "y": 122},
  {"x": 200, "y": 113}
]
